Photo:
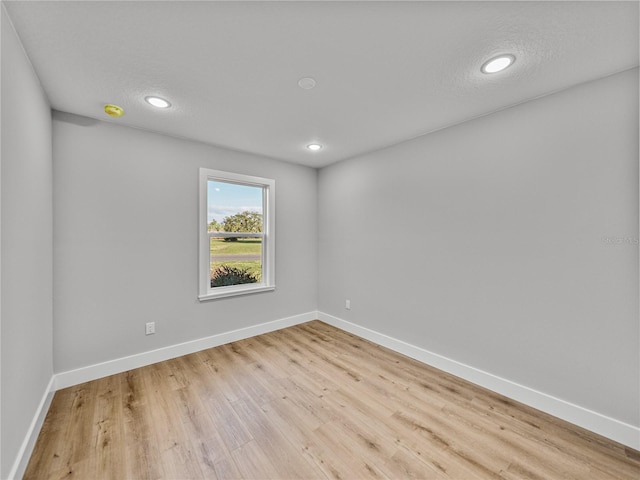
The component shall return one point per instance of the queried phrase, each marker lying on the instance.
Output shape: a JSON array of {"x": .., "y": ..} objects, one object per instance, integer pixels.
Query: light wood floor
[{"x": 308, "y": 402}]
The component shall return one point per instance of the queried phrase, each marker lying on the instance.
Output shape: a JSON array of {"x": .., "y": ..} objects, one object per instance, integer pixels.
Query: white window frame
[{"x": 268, "y": 282}]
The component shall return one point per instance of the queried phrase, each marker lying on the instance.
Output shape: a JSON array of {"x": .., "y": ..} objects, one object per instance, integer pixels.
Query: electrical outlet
[
  {"x": 347, "y": 304},
  {"x": 150, "y": 328}
]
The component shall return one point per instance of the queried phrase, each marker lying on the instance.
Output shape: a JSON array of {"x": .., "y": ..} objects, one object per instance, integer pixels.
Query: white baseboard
[
  {"x": 24, "y": 453},
  {"x": 608, "y": 427},
  {"x": 118, "y": 365}
]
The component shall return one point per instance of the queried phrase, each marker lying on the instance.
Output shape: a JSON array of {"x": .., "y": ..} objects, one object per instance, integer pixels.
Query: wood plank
[
  {"x": 68, "y": 451},
  {"x": 108, "y": 423},
  {"x": 253, "y": 463},
  {"x": 285, "y": 456},
  {"x": 226, "y": 469}
]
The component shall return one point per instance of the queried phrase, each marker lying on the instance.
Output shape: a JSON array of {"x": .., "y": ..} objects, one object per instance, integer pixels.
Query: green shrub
[{"x": 225, "y": 275}]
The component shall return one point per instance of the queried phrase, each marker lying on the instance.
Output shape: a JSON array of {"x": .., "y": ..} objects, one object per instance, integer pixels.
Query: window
[{"x": 237, "y": 234}]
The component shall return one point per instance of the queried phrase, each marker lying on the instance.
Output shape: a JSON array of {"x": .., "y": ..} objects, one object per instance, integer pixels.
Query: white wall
[
  {"x": 487, "y": 243},
  {"x": 26, "y": 252},
  {"x": 492, "y": 258},
  {"x": 126, "y": 242}
]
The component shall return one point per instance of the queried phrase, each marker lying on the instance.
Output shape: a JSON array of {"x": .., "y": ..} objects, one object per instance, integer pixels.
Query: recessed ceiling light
[
  {"x": 497, "y": 64},
  {"x": 157, "y": 102},
  {"x": 307, "y": 83},
  {"x": 314, "y": 147}
]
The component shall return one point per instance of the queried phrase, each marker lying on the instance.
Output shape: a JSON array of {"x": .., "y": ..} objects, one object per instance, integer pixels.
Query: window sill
[{"x": 232, "y": 292}]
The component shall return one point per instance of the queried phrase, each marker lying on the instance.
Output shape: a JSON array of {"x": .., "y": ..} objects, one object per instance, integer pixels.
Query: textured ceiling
[{"x": 385, "y": 71}]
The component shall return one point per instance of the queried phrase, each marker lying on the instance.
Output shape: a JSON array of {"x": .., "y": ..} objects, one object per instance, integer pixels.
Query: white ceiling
[{"x": 385, "y": 71}]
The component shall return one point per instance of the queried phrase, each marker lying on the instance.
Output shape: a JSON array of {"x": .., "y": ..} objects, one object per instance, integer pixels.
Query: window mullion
[{"x": 235, "y": 235}]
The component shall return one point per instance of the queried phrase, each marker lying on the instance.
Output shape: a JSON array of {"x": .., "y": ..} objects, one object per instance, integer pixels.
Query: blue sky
[{"x": 227, "y": 199}]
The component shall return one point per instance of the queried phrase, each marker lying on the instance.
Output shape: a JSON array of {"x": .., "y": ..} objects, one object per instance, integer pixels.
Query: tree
[
  {"x": 242, "y": 222},
  {"x": 214, "y": 226}
]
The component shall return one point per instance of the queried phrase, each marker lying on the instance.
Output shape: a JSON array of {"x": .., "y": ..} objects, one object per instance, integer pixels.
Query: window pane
[
  {"x": 235, "y": 261},
  {"x": 234, "y": 208}
]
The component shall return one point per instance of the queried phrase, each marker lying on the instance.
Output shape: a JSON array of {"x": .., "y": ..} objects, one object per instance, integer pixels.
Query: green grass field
[
  {"x": 244, "y": 246},
  {"x": 249, "y": 246}
]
